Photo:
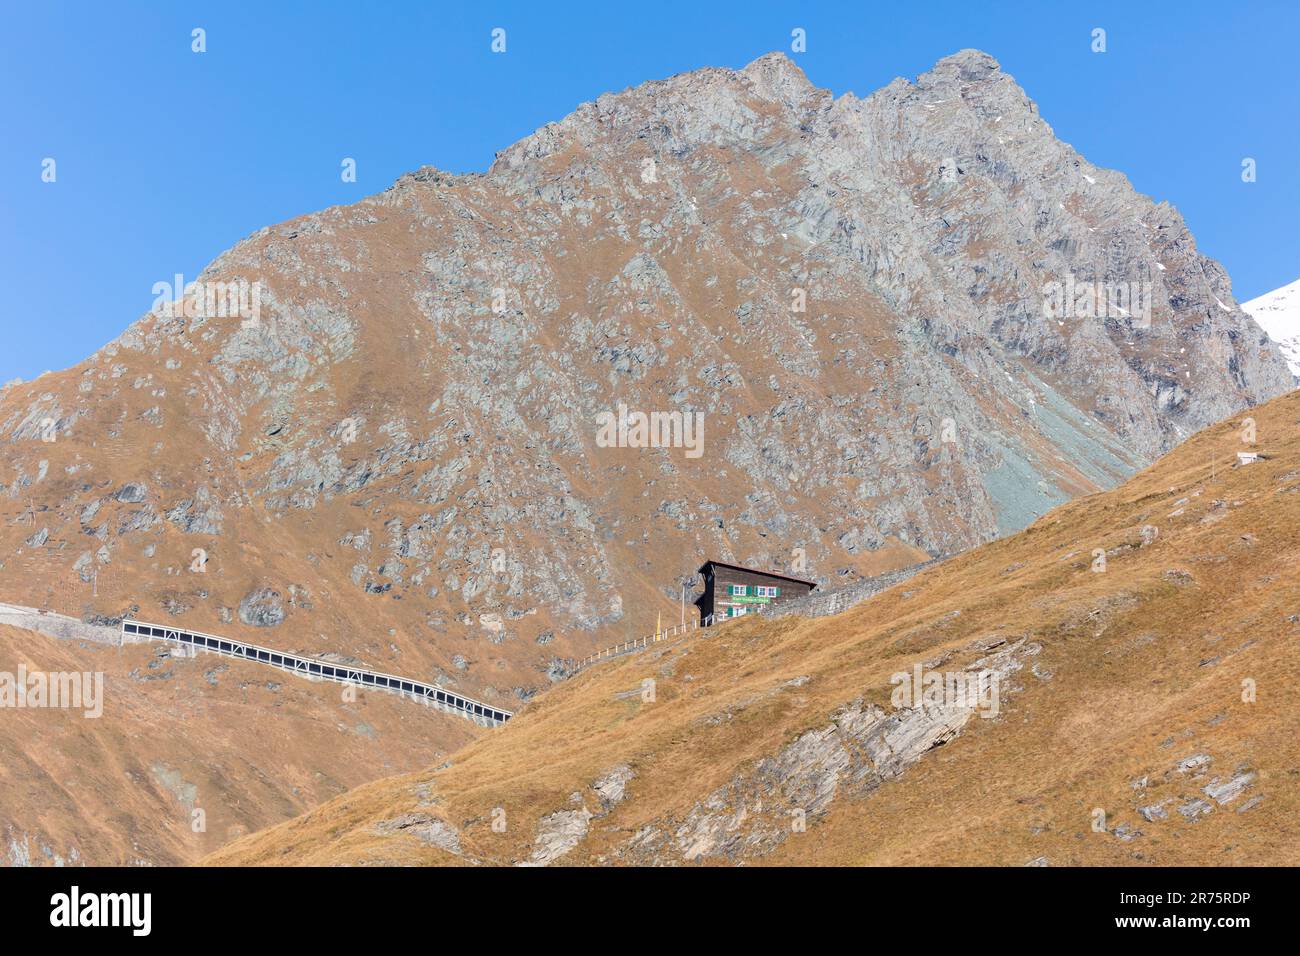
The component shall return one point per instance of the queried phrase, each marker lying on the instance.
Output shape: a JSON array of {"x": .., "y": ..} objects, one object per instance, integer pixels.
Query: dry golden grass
[{"x": 1146, "y": 668}]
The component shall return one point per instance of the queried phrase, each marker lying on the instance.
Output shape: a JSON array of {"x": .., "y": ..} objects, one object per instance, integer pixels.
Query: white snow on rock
[{"x": 1278, "y": 314}]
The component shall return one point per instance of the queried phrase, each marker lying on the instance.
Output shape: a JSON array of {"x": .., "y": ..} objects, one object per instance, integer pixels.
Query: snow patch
[{"x": 1278, "y": 314}]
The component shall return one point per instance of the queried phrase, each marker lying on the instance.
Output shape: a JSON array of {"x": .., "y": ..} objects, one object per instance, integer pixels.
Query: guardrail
[
  {"x": 314, "y": 669},
  {"x": 641, "y": 643}
]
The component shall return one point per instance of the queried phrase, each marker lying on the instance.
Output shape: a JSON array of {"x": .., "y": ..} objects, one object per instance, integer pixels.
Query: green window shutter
[
  {"x": 776, "y": 592},
  {"x": 749, "y": 589}
]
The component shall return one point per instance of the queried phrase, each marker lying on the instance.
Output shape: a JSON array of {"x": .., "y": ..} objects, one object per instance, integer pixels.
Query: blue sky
[{"x": 165, "y": 157}]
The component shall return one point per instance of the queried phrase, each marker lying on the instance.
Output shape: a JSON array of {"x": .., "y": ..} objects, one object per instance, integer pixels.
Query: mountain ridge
[{"x": 398, "y": 462}]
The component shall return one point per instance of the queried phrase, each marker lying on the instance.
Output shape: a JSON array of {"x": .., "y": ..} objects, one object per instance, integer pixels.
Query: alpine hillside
[{"x": 394, "y": 455}]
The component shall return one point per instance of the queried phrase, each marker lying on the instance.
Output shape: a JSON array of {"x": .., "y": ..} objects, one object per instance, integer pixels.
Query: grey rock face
[
  {"x": 1194, "y": 764},
  {"x": 197, "y": 515},
  {"x": 557, "y": 834},
  {"x": 1125, "y": 833},
  {"x": 426, "y": 828},
  {"x": 1226, "y": 791},
  {"x": 958, "y": 203},
  {"x": 262, "y": 607},
  {"x": 611, "y": 787},
  {"x": 560, "y": 832},
  {"x": 1154, "y": 812},
  {"x": 131, "y": 493},
  {"x": 863, "y": 747},
  {"x": 1195, "y": 809}
]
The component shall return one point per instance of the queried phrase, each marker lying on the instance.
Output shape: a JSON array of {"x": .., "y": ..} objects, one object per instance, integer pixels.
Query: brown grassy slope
[
  {"x": 246, "y": 744},
  {"x": 1141, "y": 667}
]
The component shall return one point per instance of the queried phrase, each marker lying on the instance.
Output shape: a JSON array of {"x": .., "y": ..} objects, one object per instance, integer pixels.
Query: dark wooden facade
[{"x": 731, "y": 590}]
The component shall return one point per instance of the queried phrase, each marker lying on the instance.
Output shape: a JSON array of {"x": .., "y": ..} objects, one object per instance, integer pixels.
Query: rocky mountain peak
[
  {"x": 908, "y": 324},
  {"x": 778, "y": 78},
  {"x": 964, "y": 66}
]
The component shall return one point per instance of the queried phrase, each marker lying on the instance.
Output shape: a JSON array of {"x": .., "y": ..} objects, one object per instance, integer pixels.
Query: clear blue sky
[{"x": 166, "y": 157}]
